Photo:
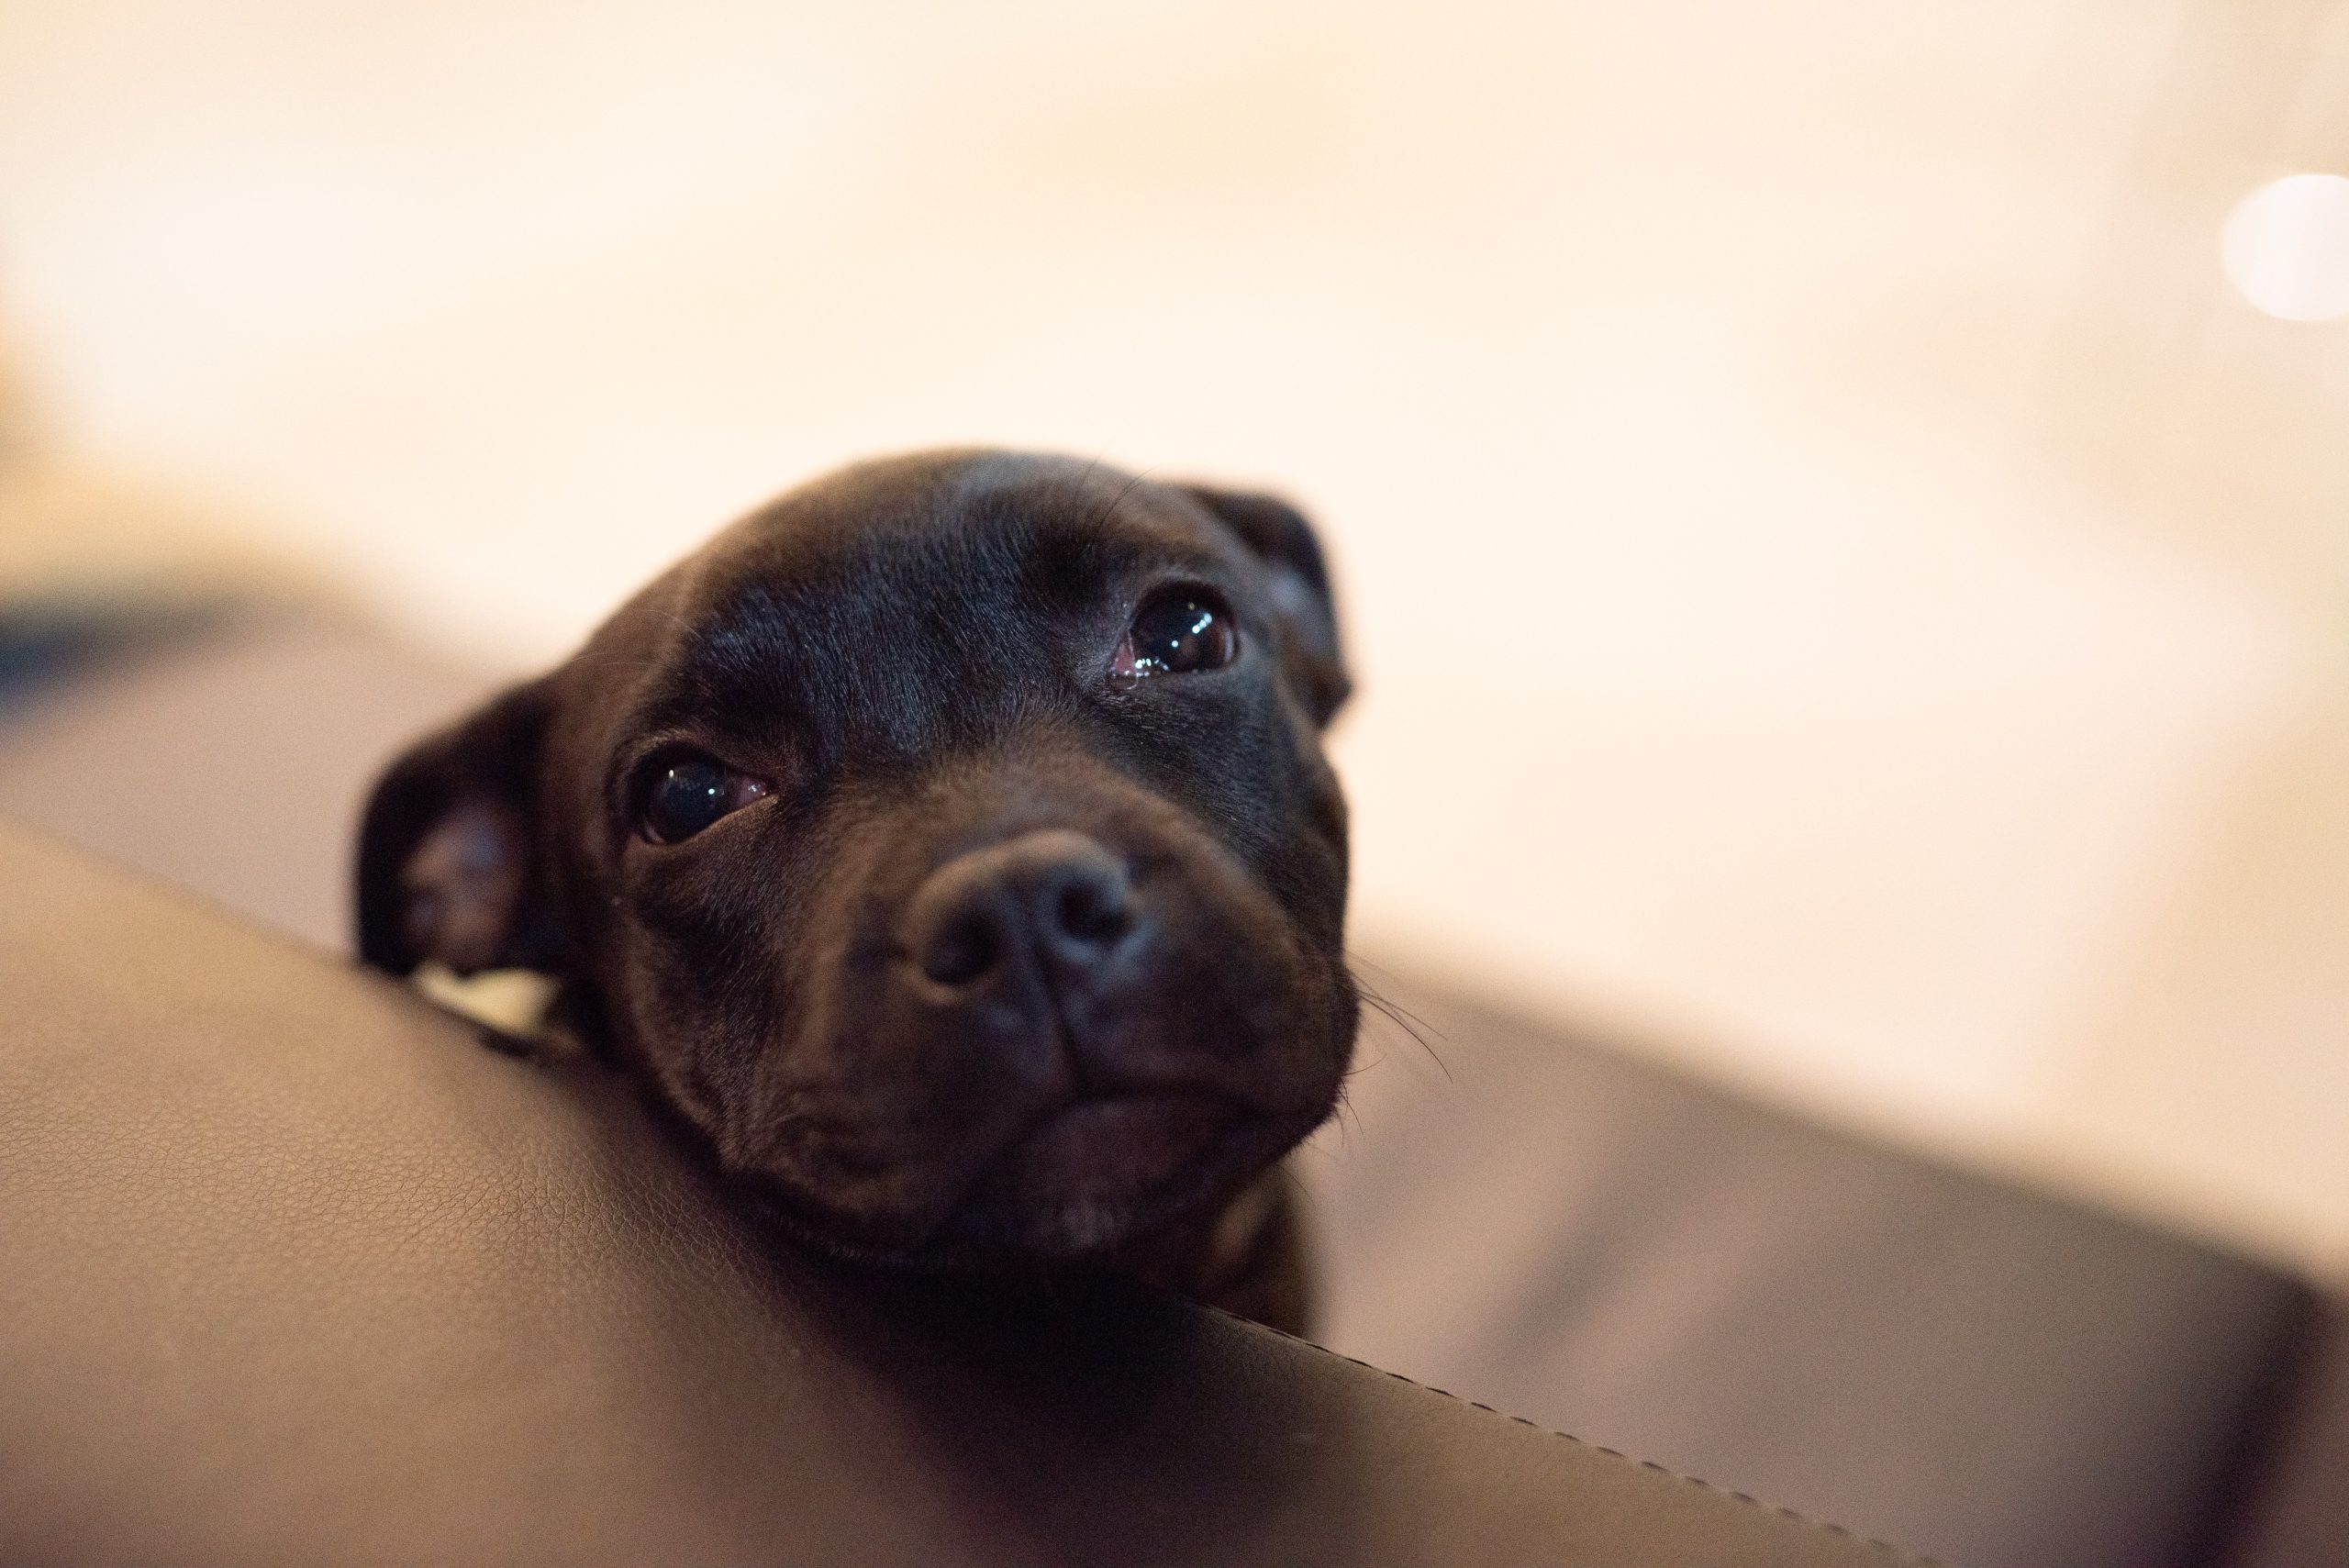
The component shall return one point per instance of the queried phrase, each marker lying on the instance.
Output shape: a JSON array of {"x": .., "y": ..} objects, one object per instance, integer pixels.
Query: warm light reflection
[{"x": 2286, "y": 247}]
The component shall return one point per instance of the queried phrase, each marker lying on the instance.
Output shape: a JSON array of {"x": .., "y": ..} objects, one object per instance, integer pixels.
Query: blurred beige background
[{"x": 1845, "y": 590}]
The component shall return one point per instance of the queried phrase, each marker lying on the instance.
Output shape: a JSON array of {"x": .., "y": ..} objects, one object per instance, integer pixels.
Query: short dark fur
[{"x": 915, "y": 655}]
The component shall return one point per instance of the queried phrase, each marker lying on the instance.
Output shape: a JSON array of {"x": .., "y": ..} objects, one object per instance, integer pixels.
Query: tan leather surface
[
  {"x": 1988, "y": 1374},
  {"x": 235, "y": 763},
  {"x": 294, "y": 1272},
  {"x": 2299, "y": 1503}
]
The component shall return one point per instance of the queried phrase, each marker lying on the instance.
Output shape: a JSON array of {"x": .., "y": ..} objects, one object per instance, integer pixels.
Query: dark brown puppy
[{"x": 949, "y": 843}]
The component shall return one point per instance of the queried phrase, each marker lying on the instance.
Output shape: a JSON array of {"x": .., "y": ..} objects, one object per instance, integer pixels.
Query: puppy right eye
[{"x": 687, "y": 791}]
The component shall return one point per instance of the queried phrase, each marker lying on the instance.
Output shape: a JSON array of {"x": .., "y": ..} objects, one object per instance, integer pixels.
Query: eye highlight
[
  {"x": 684, "y": 792},
  {"x": 1177, "y": 633}
]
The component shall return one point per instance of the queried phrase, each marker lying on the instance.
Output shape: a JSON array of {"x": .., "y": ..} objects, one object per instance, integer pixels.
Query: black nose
[{"x": 1054, "y": 896}]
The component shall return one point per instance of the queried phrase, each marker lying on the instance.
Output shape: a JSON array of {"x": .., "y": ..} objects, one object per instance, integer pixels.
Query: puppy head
[{"x": 949, "y": 842}]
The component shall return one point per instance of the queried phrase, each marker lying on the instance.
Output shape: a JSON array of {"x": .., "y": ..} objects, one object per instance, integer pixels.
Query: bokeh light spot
[{"x": 2286, "y": 246}]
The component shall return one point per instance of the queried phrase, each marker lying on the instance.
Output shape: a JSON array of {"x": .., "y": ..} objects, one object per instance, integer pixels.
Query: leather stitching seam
[{"x": 1894, "y": 1553}]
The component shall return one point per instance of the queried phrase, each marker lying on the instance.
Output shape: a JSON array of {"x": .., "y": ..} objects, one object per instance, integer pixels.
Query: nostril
[
  {"x": 1048, "y": 908},
  {"x": 963, "y": 950},
  {"x": 1093, "y": 912}
]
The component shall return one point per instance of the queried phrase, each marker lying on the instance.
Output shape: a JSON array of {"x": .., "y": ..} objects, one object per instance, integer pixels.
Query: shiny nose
[{"x": 1054, "y": 896}]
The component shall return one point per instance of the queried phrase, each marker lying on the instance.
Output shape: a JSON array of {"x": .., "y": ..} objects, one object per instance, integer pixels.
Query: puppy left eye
[
  {"x": 688, "y": 791},
  {"x": 1174, "y": 634}
]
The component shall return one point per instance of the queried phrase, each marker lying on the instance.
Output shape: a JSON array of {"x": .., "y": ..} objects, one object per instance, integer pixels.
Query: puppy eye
[
  {"x": 1176, "y": 634},
  {"x": 686, "y": 792}
]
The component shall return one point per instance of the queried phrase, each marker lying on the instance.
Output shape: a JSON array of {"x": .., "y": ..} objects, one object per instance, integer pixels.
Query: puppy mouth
[
  {"x": 1083, "y": 1181},
  {"x": 1094, "y": 1174},
  {"x": 1116, "y": 1145}
]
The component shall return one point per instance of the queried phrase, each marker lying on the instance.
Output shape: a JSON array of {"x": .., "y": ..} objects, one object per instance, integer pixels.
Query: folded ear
[
  {"x": 1279, "y": 534},
  {"x": 448, "y": 848}
]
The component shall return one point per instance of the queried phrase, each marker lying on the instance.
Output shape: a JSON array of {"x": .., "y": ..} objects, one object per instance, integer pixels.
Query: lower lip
[{"x": 1119, "y": 1148}]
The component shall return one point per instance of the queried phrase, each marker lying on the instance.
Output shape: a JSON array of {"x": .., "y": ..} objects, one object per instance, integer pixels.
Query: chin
[{"x": 1039, "y": 1207}]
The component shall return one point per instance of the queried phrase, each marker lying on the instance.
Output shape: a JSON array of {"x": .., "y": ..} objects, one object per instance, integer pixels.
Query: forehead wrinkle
[
  {"x": 921, "y": 621},
  {"x": 836, "y": 642}
]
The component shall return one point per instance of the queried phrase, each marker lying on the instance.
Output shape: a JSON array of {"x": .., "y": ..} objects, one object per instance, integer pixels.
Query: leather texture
[
  {"x": 1989, "y": 1375},
  {"x": 295, "y": 1271},
  {"x": 233, "y": 760},
  {"x": 2297, "y": 1494}
]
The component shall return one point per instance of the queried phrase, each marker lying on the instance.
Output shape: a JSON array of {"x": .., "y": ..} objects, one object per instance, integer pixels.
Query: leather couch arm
[{"x": 291, "y": 1270}]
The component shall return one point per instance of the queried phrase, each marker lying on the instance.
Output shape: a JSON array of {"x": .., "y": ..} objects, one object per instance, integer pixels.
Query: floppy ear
[
  {"x": 1281, "y": 537},
  {"x": 448, "y": 848}
]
